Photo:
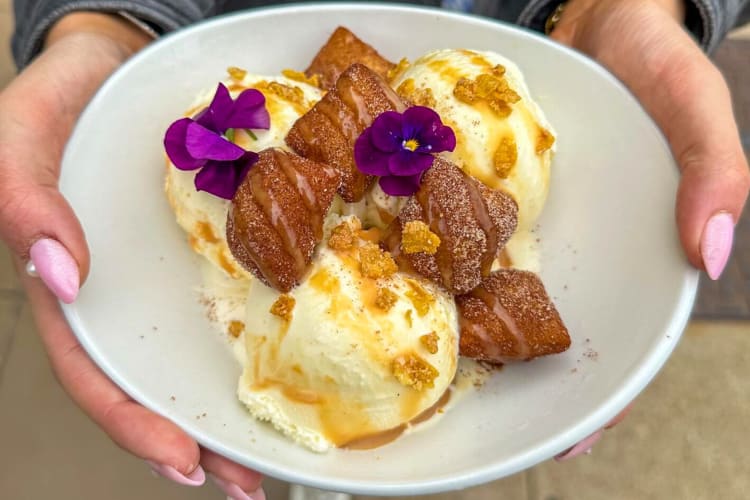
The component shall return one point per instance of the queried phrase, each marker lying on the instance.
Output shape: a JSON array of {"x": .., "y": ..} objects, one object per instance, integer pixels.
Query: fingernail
[
  {"x": 56, "y": 267},
  {"x": 583, "y": 447},
  {"x": 195, "y": 478},
  {"x": 234, "y": 492},
  {"x": 716, "y": 243}
]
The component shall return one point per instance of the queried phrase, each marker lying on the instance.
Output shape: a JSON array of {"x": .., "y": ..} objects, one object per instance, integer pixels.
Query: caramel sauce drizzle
[
  {"x": 434, "y": 218},
  {"x": 382, "y": 438},
  {"x": 493, "y": 303},
  {"x": 300, "y": 182},
  {"x": 485, "y": 222},
  {"x": 276, "y": 214}
]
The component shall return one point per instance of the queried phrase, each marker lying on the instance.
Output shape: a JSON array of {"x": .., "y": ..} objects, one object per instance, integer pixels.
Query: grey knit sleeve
[
  {"x": 708, "y": 20},
  {"x": 35, "y": 17}
]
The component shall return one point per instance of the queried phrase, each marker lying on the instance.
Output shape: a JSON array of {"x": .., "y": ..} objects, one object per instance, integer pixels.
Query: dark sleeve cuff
[{"x": 35, "y": 17}]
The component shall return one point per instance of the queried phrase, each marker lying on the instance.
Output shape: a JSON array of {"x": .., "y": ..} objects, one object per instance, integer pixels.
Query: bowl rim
[{"x": 636, "y": 380}]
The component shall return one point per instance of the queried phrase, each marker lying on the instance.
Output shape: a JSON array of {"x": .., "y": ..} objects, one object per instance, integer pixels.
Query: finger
[
  {"x": 40, "y": 227},
  {"x": 620, "y": 417},
  {"x": 689, "y": 100},
  {"x": 33, "y": 210},
  {"x": 715, "y": 178},
  {"x": 582, "y": 448},
  {"x": 236, "y": 481},
  {"x": 151, "y": 437}
]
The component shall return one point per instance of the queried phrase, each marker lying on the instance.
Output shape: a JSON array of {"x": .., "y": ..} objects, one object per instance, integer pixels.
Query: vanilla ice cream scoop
[
  {"x": 503, "y": 138},
  {"x": 354, "y": 351},
  {"x": 202, "y": 215}
]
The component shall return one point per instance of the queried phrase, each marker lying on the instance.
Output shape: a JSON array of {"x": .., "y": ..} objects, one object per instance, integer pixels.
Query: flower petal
[
  {"x": 250, "y": 111},
  {"x": 174, "y": 145},
  {"x": 386, "y": 132},
  {"x": 401, "y": 186},
  {"x": 218, "y": 112},
  {"x": 223, "y": 178},
  {"x": 367, "y": 157},
  {"x": 420, "y": 122},
  {"x": 442, "y": 139},
  {"x": 406, "y": 163},
  {"x": 206, "y": 144}
]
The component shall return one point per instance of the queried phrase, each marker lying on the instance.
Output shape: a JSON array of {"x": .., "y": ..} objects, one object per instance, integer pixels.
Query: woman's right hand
[{"x": 37, "y": 113}]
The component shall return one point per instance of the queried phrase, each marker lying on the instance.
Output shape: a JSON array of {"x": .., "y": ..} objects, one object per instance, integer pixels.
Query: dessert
[
  {"x": 276, "y": 218},
  {"x": 364, "y": 226},
  {"x": 471, "y": 222},
  {"x": 342, "y": 50},
  {"x": 509, "y": 317},
  {"x": 503, "y": 138},
  {"x": 327, "y": 133},
  {"x": 348, "y": 362}
]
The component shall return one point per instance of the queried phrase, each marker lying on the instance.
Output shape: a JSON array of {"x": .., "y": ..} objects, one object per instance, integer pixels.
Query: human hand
[
  {"x": 37, "y": 113},
  {"x": 643, "y": 43}
]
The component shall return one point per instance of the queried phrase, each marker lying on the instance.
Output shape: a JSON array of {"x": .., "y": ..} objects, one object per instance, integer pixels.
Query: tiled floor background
[{"x": 687, "y": 437}]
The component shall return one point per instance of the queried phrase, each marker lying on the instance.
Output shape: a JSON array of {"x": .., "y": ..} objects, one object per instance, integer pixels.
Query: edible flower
[
  {"x": 205, "y": 141},
  {"x": 400, "y": 147}
]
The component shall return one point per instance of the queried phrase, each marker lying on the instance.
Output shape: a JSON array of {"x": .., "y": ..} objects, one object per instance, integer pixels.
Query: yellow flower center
[{"x": 411, "y": 144}]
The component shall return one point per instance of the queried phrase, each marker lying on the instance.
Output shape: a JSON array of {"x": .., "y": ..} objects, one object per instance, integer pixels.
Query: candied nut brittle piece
[
  {"x": 344, "y": 236},
  {"x": 284, "y": 307},
  {"x": 510, "y": 317},
  {"x": 342, "y": 50},
  {"x": 385, "y": 298},
  {"x": 413, "y": 371},
  {"x": 376, "y": 263},
  {"x": 430, "y": 342},
  {"x": 491, "y": 88},
  {"x": 328, "y": 131},
  {"x": 417, "y": 237},
  {"x": 472, "y": 222},
  {"x": 276, "y": 217}
]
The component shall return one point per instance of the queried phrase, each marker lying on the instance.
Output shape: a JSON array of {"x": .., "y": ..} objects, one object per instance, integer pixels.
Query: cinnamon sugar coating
[
  {"x": 328, "y": 131},
  {"x": 276, "y": 218},
  {"x": 342, "y": 50},
  {"x": 472, "y": 221},
  {"x": 510, "y": 317}
]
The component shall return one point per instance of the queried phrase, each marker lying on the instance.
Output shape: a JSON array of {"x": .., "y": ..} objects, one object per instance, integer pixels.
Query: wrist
[{"x": 127, "y": 37}]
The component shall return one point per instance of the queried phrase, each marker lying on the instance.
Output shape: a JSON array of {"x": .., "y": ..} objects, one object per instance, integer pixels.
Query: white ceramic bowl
[{"x": 610, "y": 253}]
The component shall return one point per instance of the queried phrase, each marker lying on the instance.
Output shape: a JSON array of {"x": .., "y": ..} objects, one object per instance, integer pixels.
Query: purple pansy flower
[
  {"x": 400, "y": 147},
  {"x": 200, "y": 142}
]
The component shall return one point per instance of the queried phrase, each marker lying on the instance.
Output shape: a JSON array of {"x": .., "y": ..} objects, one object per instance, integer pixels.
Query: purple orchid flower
[
  {"x": 400, "y": 147},
  {"x": 200, "y": 142}
]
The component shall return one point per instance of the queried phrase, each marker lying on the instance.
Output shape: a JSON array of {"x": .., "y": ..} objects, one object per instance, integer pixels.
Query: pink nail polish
[
  {"x": 195, "y": 478},
  {"x": 234, "y": 492},
  {"x": 583, "y": 447},
  {"x": 716, "y": 243},
  {"x": 57, "y": 268}
]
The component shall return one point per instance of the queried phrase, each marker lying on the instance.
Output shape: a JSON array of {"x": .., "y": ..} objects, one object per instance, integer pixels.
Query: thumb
[{"x": 41, "y": 229}]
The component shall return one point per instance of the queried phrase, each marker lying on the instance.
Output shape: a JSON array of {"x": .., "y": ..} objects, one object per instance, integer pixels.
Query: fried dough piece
[
  {"x": 510, "y": 317},
  {"x": 472, "y": 222},
  {"x": 342, "y": 50},
  {"x": 328, "y": 131},
  {"x": 276, "y": 218}
]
